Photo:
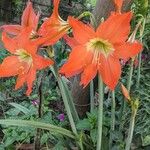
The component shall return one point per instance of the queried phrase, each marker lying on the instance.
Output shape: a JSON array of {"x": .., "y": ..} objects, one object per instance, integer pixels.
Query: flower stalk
[
  {"x": 100, "y": 113},
  {"x": 113, "y": 105},
  {"x": 65, "y": 100},
  {"x": 134, "y": 107},
  {"x": 71, "y": 103},
  {"x": 140, "y": 55},
  {"x": 129, "y": 80},
  {"x": 54, "y": 69},
  {"x": 91, "y": 96}
]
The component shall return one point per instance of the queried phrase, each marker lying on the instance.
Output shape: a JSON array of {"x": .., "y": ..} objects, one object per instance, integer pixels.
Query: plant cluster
[{"x": 106, "y": 52}]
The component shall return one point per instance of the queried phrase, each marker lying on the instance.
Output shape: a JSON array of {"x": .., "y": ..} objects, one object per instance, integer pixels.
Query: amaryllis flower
[
  {"x": 100, "y": 51},
  {"x": 29, "y": 19},
  {"x": 24, "y": 60},
  {"x": 54, "y": 27}
]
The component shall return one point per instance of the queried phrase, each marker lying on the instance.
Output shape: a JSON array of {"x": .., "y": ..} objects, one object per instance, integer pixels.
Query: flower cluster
[{"x": 92, "y": 52}]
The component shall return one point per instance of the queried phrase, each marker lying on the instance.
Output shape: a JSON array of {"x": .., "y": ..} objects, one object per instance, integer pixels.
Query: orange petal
[
  {"x": 54, "y": 27},
  {"x": 70, "y": 41},
  {"x": 30, "y": 78},
  {"x": 88, "y": 74},
  {"x": 20, "y": 81},
  {"x": 24, "y": 41},
  {"x": 52, "y": 22},
  {"x": 9, "y": 43},
  {"x": 118, "y": 4},
  {"x": 11, "y": 29},
  {"x": 41, "y": 63},
  {"x": 10, "y": 66},
  {"x": 56, "y": 6},
  {"x": 125, "y": 92},
  {"x": 50, "y": 37},
  {"x": 82, "y": 32},
  {"x": 116, "y": 28},
  {"x": 128, "y": 50},
  {"x": 29, "y": 18},
  {"x": 110, "y": 70},
  {"x": 75, "y": 62}
]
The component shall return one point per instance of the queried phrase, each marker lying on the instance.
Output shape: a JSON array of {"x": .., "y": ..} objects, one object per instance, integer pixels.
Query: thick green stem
[
  {"x": 130, "y": 76},
  {"x": 67, "y": 94},
  {"x": 140, "y": 56},
  {"x": 65, "y": 100},
  {"x": 71, "y": 103},
  {"x": 113, "y": 105},
  {"x": 130, "y": 133},
  {"x": 100, "y": 114},
  {"x": 91, "y": 96},
  {"x": 129, "y": 80},
  {"x": 139, "y": 70}
]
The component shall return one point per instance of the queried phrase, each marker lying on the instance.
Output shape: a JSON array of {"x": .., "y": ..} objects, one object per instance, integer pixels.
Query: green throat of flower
[
  {"x": 24, "y": 56},
  {"x": 99, "y": 46}
]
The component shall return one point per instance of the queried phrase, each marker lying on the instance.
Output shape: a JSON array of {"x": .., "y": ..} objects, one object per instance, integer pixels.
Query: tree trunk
[{"x": 103, "y": 8}]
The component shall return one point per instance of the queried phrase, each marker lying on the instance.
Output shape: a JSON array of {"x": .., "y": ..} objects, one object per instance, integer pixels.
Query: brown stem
[{"x": 40, "y": 113}]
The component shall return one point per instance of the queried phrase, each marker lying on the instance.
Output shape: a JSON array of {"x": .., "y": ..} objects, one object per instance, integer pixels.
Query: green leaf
[
  {"x": 93, "y": 135},
  {"x": 59, "y": 146},
  {"x": 146, "y": 140},
  {"x": 84, "y": 125},
  {"x": 9, "y": 141},
  {"x": 44, "y": 138},
  {"x": 21, "y": 108},
  {"x": 36, "y": 124}
]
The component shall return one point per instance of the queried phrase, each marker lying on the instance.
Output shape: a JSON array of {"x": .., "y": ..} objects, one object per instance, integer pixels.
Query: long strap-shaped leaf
[{"x": 54, "y": 129}]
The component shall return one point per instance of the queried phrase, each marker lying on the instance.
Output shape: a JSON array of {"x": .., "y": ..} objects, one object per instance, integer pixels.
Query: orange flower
[
  {"x": 118, "y": 4},
  {"x": 29, "y": 19},
  {"x": 70, "y": 41},
  {"x": 54, "y": 27},
  {"x": 100, "y": 50},
  {"x": 24, "y": 60},
  {"x": 125, "y": 92}
]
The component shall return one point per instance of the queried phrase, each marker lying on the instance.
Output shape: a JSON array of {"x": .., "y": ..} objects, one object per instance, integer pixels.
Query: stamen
[{"x": 33, "y": 35}]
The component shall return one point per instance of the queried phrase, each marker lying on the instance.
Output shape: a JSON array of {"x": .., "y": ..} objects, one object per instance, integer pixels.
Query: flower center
[
  {"x": 24, "y": 56},
  {"x": 99, "y": 46}
]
